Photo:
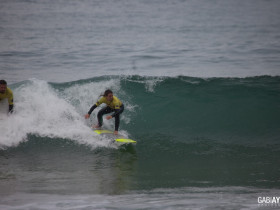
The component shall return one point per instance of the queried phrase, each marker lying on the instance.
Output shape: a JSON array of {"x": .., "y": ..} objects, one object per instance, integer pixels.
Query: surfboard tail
[
  {"x": 117, "y": 138},
  {"x": 125, "y": 140}
]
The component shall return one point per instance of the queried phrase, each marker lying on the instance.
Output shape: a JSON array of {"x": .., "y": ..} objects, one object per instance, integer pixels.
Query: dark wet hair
[
  {"x": 107, "y": 92},
  {"x": 3, "y": 82}
]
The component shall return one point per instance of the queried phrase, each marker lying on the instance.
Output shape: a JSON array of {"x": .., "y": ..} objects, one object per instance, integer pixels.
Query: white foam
[
  {"x": 149, "y": 82},
  {"x": 42, "y": 111}
]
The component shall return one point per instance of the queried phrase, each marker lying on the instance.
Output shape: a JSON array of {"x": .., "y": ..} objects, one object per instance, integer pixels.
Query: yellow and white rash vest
[
  {"x": 114, "y": 104},
  {"x": 9, "y": 95}
]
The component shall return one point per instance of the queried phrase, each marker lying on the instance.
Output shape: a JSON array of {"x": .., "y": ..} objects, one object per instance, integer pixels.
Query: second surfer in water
[{"x": 113, "y": 105}]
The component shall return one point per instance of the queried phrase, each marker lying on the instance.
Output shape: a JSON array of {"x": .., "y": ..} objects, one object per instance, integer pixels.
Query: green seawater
[{"x": 191, "y": 133}]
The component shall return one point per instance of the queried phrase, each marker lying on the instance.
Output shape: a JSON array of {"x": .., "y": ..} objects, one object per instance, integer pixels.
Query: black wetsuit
[{"x": 115, "y": 106}]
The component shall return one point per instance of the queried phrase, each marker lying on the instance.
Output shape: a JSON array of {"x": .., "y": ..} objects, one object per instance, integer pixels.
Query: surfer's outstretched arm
[
  {"x": 118, "y": 111},
  {"x": 90, "y": 111}
]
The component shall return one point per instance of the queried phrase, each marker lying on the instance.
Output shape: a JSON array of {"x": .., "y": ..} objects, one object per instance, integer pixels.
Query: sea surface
[{"x": 200, "y": 81}]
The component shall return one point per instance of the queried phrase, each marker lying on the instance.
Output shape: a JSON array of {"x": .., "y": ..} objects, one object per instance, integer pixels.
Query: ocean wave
[{"x": 244, "y": 110}]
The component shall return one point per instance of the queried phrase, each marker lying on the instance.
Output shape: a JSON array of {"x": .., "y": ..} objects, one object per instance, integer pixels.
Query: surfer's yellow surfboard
[
  {"x": 117, "y": 138},
  {"x": 103, "y": 131},
  {"x": 125, "y": 140}
]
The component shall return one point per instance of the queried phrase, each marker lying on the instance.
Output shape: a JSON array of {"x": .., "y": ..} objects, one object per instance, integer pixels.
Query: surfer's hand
[
  {"x": 116, "y": 132},
  {"x": 109, "y": 117},
  {"x": 87, "y": 116}
]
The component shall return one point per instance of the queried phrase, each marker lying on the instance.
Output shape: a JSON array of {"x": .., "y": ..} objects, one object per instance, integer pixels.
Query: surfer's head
[
  {"x": 109, "y": 95},
  {"x": 3, "y": 86}
]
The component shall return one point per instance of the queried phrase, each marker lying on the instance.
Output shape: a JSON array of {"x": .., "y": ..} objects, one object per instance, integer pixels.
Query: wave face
[
  {"x": 218, "y": 131},
  {"x": 220, "y": 109}
]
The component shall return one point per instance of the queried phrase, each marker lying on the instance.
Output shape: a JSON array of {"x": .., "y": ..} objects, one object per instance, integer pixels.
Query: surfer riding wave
[{"x": 113, "y": 105}]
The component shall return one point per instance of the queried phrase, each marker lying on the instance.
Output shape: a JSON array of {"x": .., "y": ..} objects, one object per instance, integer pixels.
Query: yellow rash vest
[
  {"x": 114, "y": 104},
  {"x": 9, "y": 95}
]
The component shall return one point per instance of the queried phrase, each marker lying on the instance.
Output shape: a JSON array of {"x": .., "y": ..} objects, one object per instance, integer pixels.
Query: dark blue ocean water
[
  {"x": 68, "y": 40},
  {"x": 201, "y": 87}
]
